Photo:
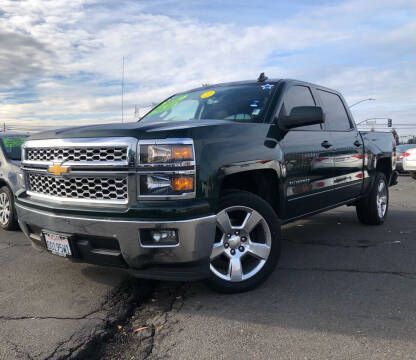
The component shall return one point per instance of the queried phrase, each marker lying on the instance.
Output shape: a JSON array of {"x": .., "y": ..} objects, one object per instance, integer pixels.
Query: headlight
[
  {"x": 166, "y": 184},
  {"x": 157, "y": 154},
  {"x": 167, "y": 169}
]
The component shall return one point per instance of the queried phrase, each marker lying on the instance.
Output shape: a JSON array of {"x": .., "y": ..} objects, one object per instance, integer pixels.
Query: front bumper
[{"x": 115, "y": 242}]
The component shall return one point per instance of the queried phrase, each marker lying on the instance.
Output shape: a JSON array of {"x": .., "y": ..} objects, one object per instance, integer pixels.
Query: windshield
[
  {"x": 242, "y": 103},
  {"x": 402, "y": 148},
  {"x": 12, "y": 146}
]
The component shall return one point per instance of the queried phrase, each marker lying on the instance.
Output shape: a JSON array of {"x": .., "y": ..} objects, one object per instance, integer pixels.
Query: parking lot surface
[
  {"x": 343, "y": 290},
  {"x": 48, "y": 306}
]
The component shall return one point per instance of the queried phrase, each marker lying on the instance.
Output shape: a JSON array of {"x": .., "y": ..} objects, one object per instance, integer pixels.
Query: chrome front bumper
[{"x": 196, "y": 237}]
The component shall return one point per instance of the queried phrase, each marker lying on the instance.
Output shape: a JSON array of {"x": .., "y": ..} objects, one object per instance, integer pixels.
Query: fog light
[{"x": 159, "y": 237}]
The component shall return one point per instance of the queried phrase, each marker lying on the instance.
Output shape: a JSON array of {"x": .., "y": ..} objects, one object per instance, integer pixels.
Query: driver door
[{"x": 309, "y": 164}]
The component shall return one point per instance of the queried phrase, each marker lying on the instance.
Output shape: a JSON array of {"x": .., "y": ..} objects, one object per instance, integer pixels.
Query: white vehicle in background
[
  {"x": 409, "y": 161},
  {"x": 401, "y": 152}
]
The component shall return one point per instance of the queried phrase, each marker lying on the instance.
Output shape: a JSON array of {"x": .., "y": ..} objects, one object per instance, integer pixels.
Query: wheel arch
[
  {"x": 4, "y": 183},
  {"x": 384, "y": 165},
  {"x": 264, "y": 182}
]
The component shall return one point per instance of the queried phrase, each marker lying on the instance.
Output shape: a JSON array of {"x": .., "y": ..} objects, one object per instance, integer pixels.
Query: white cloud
[{"x": 71, "y": 54}]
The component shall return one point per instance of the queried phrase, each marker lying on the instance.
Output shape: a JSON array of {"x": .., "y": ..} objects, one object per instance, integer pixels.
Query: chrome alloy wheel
[
  {"x": 242, "y": 244},
  {"x": 4, "y": 209},
  {"x": 381, "y": 199}
]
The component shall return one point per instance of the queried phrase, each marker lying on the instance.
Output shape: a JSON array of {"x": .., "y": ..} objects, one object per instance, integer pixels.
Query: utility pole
[
  {"x": 389, "y": 121},
  {"x": 358, "y": 102},
  {"x": 122, "y": 94}
]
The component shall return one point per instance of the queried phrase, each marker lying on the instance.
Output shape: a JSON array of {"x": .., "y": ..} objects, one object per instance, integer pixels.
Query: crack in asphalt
[
  {"x": 179, "y": 302},
  {"x": 378, "y": 272},
  {"x": 122, "y": 304},
  {"x": 137, "y": 337},
  {"x": 59, "y": 346},
  {"x": 86, "y": 316},
  {"x": 7, "y": 318},
  {"x": 83, "y": 342}
]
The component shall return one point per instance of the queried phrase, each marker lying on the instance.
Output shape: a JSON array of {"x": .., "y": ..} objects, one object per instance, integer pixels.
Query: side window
[
  {"x": 335, "y": 114},
  {"x": 300, "y": 96}
]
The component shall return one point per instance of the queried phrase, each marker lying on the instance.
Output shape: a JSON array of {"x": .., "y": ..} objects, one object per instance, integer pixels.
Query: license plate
[{"x": 57, "y": 244}]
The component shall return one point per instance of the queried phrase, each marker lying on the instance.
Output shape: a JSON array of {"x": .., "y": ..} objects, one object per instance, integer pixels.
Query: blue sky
[{"x": 60, "y": 61}]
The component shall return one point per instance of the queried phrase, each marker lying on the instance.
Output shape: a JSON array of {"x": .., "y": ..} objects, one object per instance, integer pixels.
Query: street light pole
[
  {"x": 369, "y": 99},
  {"x": 375, "y": 118}
]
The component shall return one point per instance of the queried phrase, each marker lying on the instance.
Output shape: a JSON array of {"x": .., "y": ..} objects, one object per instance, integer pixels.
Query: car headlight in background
[{"x": 167, "y": 169}]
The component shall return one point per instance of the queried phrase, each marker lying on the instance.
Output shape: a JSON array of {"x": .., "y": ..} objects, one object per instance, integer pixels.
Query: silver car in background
[
  {"x": 409, "y": 161},
  {"x": 401, "y": 153},
  {"x": 10, "y": 177}
]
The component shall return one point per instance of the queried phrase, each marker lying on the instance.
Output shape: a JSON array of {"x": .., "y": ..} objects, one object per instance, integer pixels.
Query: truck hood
[{"x": 137, "y": 130}]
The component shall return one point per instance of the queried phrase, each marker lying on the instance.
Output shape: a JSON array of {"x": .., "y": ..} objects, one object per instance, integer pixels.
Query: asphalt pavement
[
  {"x": 50, "y": 307},
  {"x": 343, "y": 290}
]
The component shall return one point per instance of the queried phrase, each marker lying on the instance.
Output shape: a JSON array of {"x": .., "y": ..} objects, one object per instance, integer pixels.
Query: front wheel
[
  {"x": 372, "y": 210},
  {"x": 8, "y": 219},
  {"x": 247, "y": 244}
]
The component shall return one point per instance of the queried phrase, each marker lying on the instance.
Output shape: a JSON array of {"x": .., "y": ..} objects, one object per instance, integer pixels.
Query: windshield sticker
[
  {"x": 11, "y": 142},
  {"x": 256, "y": 111},
  {"x": 267, "y": 87},
  {"x": 168, "y": 104},
  {"x": 255, "y": 103},
  {"x": 207, "y": 94}
]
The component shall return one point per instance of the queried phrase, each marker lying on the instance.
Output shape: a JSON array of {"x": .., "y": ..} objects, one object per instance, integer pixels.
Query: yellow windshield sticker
[
  {"x": 168, "y": 104},
  {"x": 207, "y": 94}
]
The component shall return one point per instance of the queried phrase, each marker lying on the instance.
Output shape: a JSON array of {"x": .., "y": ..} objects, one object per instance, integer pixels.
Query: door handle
[
  {"x": 357, "y": 143},
  {"x": 326, "y": 144}
]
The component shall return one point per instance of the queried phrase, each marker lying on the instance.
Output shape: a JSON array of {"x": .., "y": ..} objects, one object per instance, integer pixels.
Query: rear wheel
[
  {"x": 247, "y": 243},
  {"x": 372, "y": 210},
  {"x": 413, "y": 175},
  {"x": 8, "y": 219}
]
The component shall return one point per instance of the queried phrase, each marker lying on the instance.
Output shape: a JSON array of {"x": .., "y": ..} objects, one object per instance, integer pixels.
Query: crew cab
[
  {"x": 200, "y": 186},
  {"x": 10, "y": 177}
]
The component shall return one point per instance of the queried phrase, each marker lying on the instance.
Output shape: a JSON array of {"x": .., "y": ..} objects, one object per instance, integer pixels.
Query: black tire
[
  {"x": 11, "y": 223},
  {"x": 413, "y": 175},
  {"x": 367, "y": 208},
  {"x": 254, "y": 202}
]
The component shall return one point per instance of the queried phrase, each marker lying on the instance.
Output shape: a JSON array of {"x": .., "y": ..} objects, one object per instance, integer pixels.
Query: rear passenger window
[
  {"x": 300, "y": 96},
  {"x": 335, "y": 114}
]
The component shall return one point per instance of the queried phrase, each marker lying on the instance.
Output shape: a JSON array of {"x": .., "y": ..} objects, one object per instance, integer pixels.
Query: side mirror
[{"x": 302, "y": 116}]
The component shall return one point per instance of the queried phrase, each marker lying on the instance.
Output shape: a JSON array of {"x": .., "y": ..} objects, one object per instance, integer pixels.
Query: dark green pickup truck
[{"x": 200, "y": 186}]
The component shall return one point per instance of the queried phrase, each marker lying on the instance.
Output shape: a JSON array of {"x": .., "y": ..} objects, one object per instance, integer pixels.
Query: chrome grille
[
  {"x": 88, "y": 188},
  {"x": 88, "y": 154}
]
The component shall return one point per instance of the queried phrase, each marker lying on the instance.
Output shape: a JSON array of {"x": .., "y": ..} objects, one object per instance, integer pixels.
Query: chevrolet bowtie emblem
[{"x": 57, "y": 169}]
